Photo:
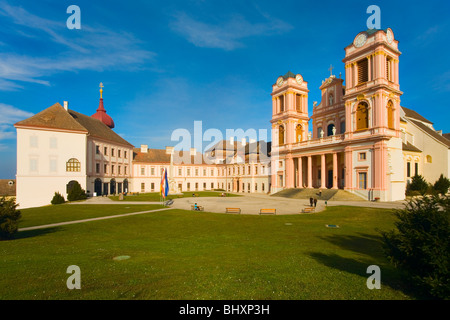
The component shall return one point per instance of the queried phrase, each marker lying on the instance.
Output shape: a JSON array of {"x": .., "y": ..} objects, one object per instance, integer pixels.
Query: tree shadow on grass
[
  {"x": 35, "y": 233},
  {"x": 370, "y": 246}
]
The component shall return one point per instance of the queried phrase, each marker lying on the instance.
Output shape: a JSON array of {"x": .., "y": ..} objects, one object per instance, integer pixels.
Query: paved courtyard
[{"x": 251, "y": 203}]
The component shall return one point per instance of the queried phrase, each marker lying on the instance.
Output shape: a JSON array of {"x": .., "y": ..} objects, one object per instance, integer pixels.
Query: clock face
[
  {"x": 299, "y": 79},
  {"x": 390, "y": 36},
  {"x": 360, "y": 40},
  {"x": 280, "y": 81}
]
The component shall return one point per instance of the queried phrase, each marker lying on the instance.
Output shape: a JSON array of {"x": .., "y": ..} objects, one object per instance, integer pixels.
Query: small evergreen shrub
[
  {"x": 76, "y": 193},
  {"x": 420, "y": 244},
  {"x": 9, "y": 218},
  {"x": 442, "y": 185},
  {"x": 418, "y": 183},
  {"x": 58, "y": 199}
]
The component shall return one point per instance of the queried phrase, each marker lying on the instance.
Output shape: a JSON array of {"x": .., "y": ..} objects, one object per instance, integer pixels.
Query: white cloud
[
  {"x": 228, "y": 35},
  {"x": 10, "y": 115},
  {"x": 91, "y": 48}
]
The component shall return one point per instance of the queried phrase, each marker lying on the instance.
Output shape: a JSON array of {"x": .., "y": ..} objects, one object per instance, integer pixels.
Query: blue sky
[{"x": 166, "y": 64}]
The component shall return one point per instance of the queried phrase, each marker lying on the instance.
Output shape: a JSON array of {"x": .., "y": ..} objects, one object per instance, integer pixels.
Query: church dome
[{"x": 101, "y": 112}]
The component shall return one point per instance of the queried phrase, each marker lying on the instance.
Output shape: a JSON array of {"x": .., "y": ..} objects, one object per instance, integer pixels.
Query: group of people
[{"x": 313, "y": 202}]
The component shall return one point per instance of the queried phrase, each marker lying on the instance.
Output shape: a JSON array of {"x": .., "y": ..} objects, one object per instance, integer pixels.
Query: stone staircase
[{"x": 327, "y": 194}]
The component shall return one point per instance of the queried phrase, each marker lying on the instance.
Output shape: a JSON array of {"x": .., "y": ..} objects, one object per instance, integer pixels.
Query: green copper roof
[{"x": 289, "y": 75}]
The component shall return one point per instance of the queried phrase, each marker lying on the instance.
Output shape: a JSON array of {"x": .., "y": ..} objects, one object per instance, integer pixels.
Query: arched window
[
  {"x": 390, "y": 115},
  {"x": 342, "y": 127},
  {"x": 299, "y": 133},
  {"x": 330, "y": 130},
  {"x": 73, "y": 165},
  {"x": 281, "y": 135},
  {"x": 319, "y": 132},
  {"x": 362, "y": 116},
  {"x": 98, "y": 187}
]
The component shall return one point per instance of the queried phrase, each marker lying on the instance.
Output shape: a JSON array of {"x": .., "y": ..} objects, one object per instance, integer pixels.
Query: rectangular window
[
  {"x": 152, "y": 186},
  {"x": 189, "y": 186},
  {"x": 212, "y": 172},
  {"x": 298, "y": 102},
  {"x": 416, "y": 168},
  {"x": 33, "y": 142},
  {"x": 112, "y": 152},
  {"x": 97, "y": 168},
  {"x": 152, "y": 170},
  {"x": 408, "y": 169},
  {"x": 180, "y": 172},
  {"x": 256, "y": 170},
  {"x": 125, "y": 154},
  {"x": 196, "y": 186},
  {"x": 142, "y": 187},
  {"x": 388, "y": 69},
  {"x": 118, "y": 170},
  {"x": 142, "y": 171},
  {"x": 204, "y": 185},
  {"x": 105, "y": 151},
  {"x": 196, "y": 172},
  {"x": 362, "y": 180},
  {"x": 212, "y": 185},
  {"x": 53, "y": 165},
  {"x": 118, "y": 153},
  {"x": 97, "y": 149},
  {"x": 112, "y": 169},
  {"x": 362, "y": 156},
  {"x": 53, "y": 143},
  {"x": 33, "y": 164},
  {"x": 256, "y": 187},
  {"x": 204, "y": 172},
  {"x": 262, "y": 187},
  {"x": 281, "y": 103},
  {"x": 105, "y": 168},
  {"x": 125, "y": 169},
  {"x": 363, "y": 70},
  {"x": 188, "y": 173}
]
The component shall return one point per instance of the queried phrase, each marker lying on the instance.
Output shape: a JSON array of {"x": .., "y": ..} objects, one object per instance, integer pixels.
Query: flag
[
  {"x": 166, "y": 193},
  {"x": 161, "y": 188}
]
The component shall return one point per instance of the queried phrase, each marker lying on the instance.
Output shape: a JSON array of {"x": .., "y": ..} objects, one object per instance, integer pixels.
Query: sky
[{"x": 166, "y": 64}]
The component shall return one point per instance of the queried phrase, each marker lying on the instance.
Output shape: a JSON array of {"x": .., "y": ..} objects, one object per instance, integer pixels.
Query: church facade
[{"x": 358, "y": 138}]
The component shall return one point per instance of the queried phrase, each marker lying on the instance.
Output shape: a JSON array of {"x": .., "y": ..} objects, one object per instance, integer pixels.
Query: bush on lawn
[
  {"x": 58, "y": 198},
  {"x": 420, "y": 244},
  {"x": 76, "y": 193},
  {"x": 419, "y": 184},
  {"x": 442, "y": 185},
  {"x": 9, "y": 218}
]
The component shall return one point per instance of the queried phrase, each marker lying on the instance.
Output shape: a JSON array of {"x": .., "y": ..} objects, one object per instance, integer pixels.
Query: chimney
[
  {"x": 193, "y": 151},
  {"x": 66, "y": 105},
  {"x": 144, "y": 148}
]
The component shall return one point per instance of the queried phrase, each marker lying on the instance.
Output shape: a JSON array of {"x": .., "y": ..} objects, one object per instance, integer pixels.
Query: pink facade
[{"x": 354, "y": 130}]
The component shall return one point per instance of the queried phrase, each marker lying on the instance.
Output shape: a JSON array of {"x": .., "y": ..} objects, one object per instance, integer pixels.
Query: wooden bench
[
  {"x": 199, "y": 208},
  {"x": 309, "y": 210},
  {"x": 268, "y": 211},
  {"x": 233, "y": 210}
]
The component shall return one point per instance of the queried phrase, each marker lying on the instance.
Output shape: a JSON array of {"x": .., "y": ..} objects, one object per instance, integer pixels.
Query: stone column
[
  {"x": 310, "y": 172},
  {"x": 322, "y": 169},
  {"x": 300, "y": 173},
  {"x": 290, "y": 172},
  {"x": 335, "y": 171}
]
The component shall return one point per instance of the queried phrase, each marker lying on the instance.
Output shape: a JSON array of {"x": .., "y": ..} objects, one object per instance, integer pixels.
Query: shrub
[
  {"x": 420, "y": 244},
  {"x": 418, "y": 183},
  {"x": 442, "y": 185},
  {"x": 76, "y": 193},
  {"x": 58, "y": 198},
  {"x": 9, "y": 218}
]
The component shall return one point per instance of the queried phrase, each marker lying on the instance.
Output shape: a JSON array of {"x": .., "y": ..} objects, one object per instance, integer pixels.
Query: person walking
[
  {"x": 311, "y": 201},
  {"x": 315, "y": 202}
]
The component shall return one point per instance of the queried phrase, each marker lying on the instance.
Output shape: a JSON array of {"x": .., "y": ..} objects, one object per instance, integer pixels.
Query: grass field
[
  {"x": 155, "y": 196},
  {"x": 178, "y": 254}
]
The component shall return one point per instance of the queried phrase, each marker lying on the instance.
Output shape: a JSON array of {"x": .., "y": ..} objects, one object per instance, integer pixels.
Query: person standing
[
  {"x": 315, "y": 202},
  {"x": 311, "y": 200}
]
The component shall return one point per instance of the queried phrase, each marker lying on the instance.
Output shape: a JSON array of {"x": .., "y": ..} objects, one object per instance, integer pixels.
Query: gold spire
[{"x": 101, "y": 90}]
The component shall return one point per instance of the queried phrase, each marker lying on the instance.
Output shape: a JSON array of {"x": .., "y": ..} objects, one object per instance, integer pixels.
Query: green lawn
[
  {"x": 179, "y": 254},
  {"x": 155, "y": 196},
  {"x": 70, "y": 212}
]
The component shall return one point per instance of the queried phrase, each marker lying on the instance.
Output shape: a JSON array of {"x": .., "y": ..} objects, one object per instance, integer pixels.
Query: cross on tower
[{"x": 331, "y": 70}]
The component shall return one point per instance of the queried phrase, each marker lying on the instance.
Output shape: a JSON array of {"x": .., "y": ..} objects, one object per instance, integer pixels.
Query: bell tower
[
  {"x": 289, "y": 110},
  {"x": 372, "y": 93}
]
